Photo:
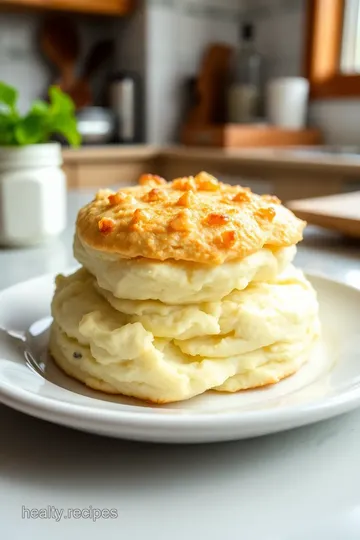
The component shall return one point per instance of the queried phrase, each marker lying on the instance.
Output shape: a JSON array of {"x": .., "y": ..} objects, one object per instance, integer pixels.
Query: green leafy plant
[{"x": 41, "y": 122}]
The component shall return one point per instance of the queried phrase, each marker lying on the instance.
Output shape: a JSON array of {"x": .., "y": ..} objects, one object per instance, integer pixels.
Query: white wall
[
  {"x": 279, "y": 26},
  {"x": 177, "y": 34},
  {"x": 20, "y": 61},
  {"x": 280, "y": 29}
]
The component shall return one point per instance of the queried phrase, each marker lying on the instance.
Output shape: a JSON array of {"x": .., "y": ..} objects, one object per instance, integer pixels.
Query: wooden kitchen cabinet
[
  {"x": 266, "y": 170},
  {"x": 115, "y": 7},
  {"x": 106, "y": 7}
]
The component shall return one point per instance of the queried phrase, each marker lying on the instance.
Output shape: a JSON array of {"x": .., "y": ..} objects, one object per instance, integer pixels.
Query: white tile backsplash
[
  {"x": 224, "y": 4},
  {"x": 177, "y": 35},
  {"x": 339, "y": 120},
  {"x": 163, "y": 34}
]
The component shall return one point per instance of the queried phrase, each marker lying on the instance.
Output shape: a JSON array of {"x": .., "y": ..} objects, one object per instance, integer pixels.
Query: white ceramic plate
[{"x": 327, "y": 386}]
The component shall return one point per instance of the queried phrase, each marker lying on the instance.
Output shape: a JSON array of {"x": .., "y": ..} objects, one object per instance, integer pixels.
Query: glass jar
[{"x": 32, "y": 194}]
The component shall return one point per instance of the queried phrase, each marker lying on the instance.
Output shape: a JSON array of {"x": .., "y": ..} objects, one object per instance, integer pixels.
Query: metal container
[
  {"x": 125, "y": 103},
  {"x": 96, "y": 125}
]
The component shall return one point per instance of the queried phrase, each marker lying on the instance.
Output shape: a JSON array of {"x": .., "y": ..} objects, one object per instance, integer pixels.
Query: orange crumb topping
[
  {"x": 186, "y": 183},
  {"x": 139, "y": 217},
  {"x": 102, "y": 194},
  {"x": 206, "y": 182},
  {"x": 217, "y": 219},
  {"x": 227, "y": 239},
  {"x": 151, "y": 180},
  {"x": 265, "y": 213},
  {"x": 181, "y": 222},
  {"x": 117, "y": 198},
  {"x": 106, "y": 225},
  {"x": 242, "y": 197},
  {"x": 187, "y": 199},
  {"x": 154, "y": 195},
  {"x": 271, "y": 199}
]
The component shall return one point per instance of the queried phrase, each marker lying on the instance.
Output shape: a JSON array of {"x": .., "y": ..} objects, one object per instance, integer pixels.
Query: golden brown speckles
[
  {"x": 139, "y": 220},
  {"x": 151, "y": 180},
  {"x": 242, "y": 197},
  {"x": 155, "y": 195},
  {"x": 206, "y": 182},
  {"x": 236, "y": 194},
  {"x": 187, "y": 199},
  {"x": 271, "y": 199},
  {"x": 181, "y": 222},
  {"x": 103, "y": 194},
  {"x": 226, "y": 239},
  {"x": 121, "y": 198},
  {"x": 117, "y": 198},
  {"x": 186, "y": 183},
  {"x": 267, "y": 214},
  {"x": 199, "y": 225},
  {"x": 138, "y": 217},
  {"x": 227, "y": 198},
  {"x": 106, "y": 225},
  {"x": 215, "y": 220}
]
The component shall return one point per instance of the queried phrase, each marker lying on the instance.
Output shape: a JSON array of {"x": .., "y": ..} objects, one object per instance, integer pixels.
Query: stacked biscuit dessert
[{"x": 185, "y": 286}]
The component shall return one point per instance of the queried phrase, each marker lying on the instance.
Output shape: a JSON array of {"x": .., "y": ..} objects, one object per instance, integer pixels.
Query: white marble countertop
[{"x": 298, "y": 485}]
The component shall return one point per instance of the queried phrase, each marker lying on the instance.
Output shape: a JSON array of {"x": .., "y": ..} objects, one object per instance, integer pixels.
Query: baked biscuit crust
[{"x": 194, "y": 219}]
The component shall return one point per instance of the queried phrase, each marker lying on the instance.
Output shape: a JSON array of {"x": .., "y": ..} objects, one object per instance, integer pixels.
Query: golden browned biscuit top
[{"x": 192, "y": 219}]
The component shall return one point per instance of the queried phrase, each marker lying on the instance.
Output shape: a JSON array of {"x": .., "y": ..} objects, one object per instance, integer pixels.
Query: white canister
[
  {"x": 32, "y": 194},
  {"x": 286, "y": 102},
  {"x": 124, "y": 97}
]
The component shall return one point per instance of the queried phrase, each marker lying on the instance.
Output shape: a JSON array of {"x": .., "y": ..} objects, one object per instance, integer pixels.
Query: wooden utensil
[
  {"x": 211, "y": 86},
  {"x": 81, "y": 89},
  {"x": 60, "y": 43},
  {"x": 338, "y": 212}
]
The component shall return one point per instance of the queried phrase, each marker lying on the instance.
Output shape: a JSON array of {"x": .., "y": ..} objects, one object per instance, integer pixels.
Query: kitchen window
[{"x": 333, "y": 48}]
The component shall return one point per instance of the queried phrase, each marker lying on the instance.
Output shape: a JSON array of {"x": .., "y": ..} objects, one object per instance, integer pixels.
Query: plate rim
[{"x": 300, "y": 414}]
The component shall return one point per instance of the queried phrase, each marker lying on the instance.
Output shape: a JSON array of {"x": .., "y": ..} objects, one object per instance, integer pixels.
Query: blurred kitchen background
[
  {"x": 163, "y": 42},
  {"x": 266, "y": 92}
]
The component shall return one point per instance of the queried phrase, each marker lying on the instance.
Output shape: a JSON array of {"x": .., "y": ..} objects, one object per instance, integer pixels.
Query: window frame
[{"x": 323, "y": 50}]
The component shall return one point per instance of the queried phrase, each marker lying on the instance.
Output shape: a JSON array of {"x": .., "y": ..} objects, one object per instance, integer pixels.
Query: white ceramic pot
[{"x": 32, "y": 194}]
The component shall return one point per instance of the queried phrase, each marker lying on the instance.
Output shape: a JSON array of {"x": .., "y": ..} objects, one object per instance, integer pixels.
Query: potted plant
[{"x": 32, "y": 183}]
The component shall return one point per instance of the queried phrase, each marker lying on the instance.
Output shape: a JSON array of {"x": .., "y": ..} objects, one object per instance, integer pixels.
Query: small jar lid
[{"x": 34, "y": 156}]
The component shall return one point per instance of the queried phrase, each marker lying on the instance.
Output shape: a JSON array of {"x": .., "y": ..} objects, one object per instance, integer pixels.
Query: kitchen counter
[
  {"x": 307, "y": 159},
  {"x": 313, "y": 158},
  {"x": 109, "y": 152},
  {"x": 291, "y": 173},
  {"x": 297, "y": 485}
]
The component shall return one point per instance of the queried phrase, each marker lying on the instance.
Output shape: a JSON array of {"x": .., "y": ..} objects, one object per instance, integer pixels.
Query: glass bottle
[{"x": 244, "y": 94}]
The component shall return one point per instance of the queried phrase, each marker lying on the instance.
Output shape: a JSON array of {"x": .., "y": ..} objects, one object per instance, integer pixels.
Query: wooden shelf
[
  {"x": 242, "y": 135},
  {"x": 101, "y": 7}
]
